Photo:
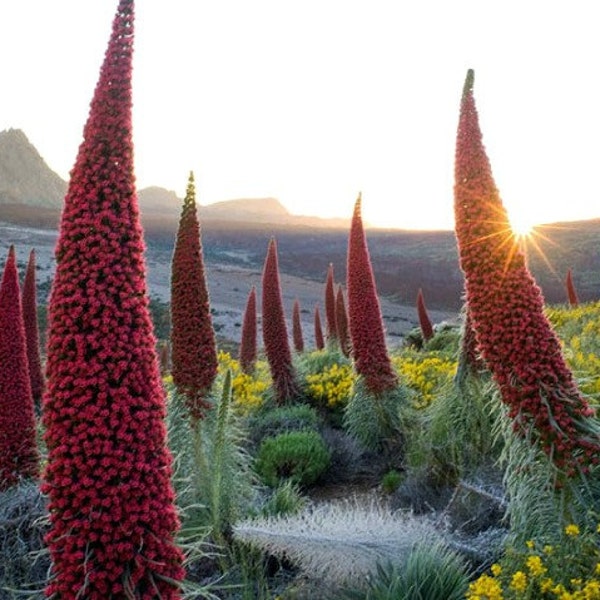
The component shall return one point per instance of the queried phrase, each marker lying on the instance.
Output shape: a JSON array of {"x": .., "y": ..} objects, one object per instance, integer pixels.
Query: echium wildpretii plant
[
  {"x": 571, "y": 292},
  {"x": 30, "y": 319},
  {"x": 108, "y": 476},
  {"x": 193, "y": 348},
  {"x": 297, "y": 336},
  {"x": 319, "y": 338},
  {"x": 19, "y": 457},
  {"x": 367, "y": 334},
  {"x": 275, "y": 337},
  {"x": 506, "y": 308},
  {"x": 331, "y": 334},
  {"x": 248, "y": 345},
  {"x": 424, "y": 320},
  {"x": 341, "y": 321},
  {"x": 372, "y": 412}
]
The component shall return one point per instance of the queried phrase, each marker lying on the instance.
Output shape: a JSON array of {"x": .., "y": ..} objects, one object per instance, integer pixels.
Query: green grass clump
[
  {"x": 391, "y": 481},
  {"x": 431, "y": 572}
]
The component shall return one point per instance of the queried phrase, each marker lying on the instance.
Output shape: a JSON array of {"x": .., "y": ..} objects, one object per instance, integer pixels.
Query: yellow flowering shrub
[
  {"x": 577, "y": 329},
  {"x": 247, "y": 391},
  {"x": 546, "y": 572},
  {"x": 332, "y": 386},
  {"x": 424, "y": 373}
]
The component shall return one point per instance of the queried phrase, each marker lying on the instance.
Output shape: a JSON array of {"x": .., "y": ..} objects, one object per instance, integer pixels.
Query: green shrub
[
  {"x": 431, "y": 572},
  {"x": 300, "y": 456},
  {"x": 391, "y": 481},
  {"x": 273, "y": 421}
]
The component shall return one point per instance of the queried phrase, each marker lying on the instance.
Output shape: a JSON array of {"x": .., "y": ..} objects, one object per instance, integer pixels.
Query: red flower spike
[
  {"x": 367, "y": 334},
  {"x": 319, "y": 340},
  {"x": 297, "y": 328},
  {"x": 194, "y": 360},
  {"x": 341, "y": 321},
  {"x": 248, "y": 346},
  {"x": 424, "y": 320},
  {"x": 275, "y": 335},
  {"x": 571, "y": 293},
  {"x": 32, "y": 336},
  {"x": 108, "y": 477},
  {"x": 331, "y": 330},
  {"x": 19, "y": 457},
  {"x": 506, "y": 308}
]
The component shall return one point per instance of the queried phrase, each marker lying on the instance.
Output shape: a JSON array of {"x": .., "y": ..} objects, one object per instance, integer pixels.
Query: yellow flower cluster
[
  {"x": 247, "y": 390},
  {"x": 577, "y": 328},
  {"x": 424, "y": 374},
  {"x": 332, "y": 386},
  {"x": 532, "y": 581}
]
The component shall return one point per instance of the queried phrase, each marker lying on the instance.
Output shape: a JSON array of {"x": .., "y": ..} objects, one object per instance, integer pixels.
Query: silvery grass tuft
[{"x": 339, "y": 543}]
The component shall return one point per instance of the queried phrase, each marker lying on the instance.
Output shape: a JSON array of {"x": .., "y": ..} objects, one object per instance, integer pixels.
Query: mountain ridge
[{"x": 26, "y": 180}]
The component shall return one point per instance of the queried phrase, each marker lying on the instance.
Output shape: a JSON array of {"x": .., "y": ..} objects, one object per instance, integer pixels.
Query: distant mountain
[
  {"x": 24, "y": 176},
  {"x": 32, "y": 194},
  {"x": 157, "y": 201}
]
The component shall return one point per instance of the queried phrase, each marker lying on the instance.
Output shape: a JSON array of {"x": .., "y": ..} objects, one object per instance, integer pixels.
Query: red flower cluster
[
  {"x": 571, "y": 293},
  {"x": 297, "y": 328},
  {"x": 248, "y": 349},
  {"x": 194, "y": 361},
  {"x": 275, "y": 335},
  {"x": 424, "y": 320},
  {"x": 331, "y": 330},
  {"x": 30, "y": 320},
  {"x": 319, "y": 339},
  {"x": 506, "y": 306},
  {"x": 371, "y": 359},
  {"x": 341, "y": 321},
  {"x": 108, "y": 477},
  {"x": 19, "y": 456}
]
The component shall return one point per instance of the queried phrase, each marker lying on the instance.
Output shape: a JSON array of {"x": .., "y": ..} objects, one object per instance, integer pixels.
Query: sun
[{"x": 522, "y": 225}]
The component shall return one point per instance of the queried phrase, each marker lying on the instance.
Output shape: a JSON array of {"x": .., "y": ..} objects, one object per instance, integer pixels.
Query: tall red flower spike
[
  {"x": 248, "y": 346},
  {"x": 319, "y": 339},
  {"x": 297, "y": 328},
  {"x": 506, "y": 306},
  {"x": 275, "y": 335},
  {"x": 424, "y": 320},
  {"x": 571, "y": 293},
  {"x": 194, "y": 361},
  {"x": 331, "y": 326},
  {"x": 19, "y": 456},
  {"x": 367, "y": 334},
  {"x": 341, "y": 321},
  {"x": 108, "y": 478},
  {"x": 30, "y": 319}
]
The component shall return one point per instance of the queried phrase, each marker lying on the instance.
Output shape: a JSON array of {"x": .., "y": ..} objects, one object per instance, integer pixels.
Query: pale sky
[{"x": 315, "y": 100}]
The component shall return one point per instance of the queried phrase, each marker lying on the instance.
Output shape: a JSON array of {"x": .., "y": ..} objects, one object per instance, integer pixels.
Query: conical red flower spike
[
  {"x": 194, "y": 361},
  {"x": 367, "y": 334},
  {"x": 248, "y": 345},
  {"x": 108, "y": 478},
  {"x": 275, "y": 335},
  {"x": 506, "y": 307}
]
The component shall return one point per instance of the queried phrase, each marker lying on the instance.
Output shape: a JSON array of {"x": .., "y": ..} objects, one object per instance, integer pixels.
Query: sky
[{"x": 312, "y": 102}]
